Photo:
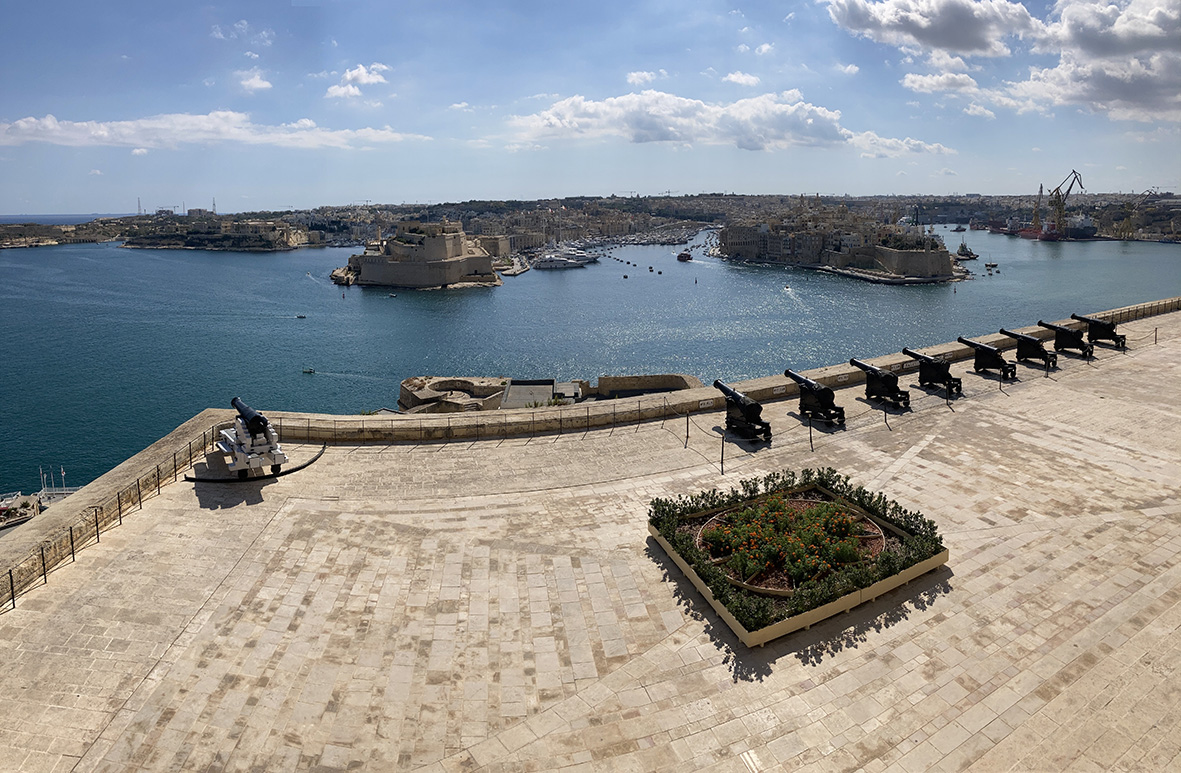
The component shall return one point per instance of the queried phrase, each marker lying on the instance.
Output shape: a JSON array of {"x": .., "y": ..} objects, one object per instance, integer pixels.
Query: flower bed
[{"x": 786, "y": 551}]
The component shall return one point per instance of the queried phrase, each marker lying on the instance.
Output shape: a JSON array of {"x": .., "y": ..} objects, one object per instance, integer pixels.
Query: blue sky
[{"x": 269, "y": 105}]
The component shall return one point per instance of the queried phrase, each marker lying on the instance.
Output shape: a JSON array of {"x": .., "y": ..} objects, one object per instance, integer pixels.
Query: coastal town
[{"x": 506, "y": 227}]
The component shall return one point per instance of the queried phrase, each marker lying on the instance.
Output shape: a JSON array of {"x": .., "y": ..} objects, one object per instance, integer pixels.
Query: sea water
[{"x": 105, "y": 349}]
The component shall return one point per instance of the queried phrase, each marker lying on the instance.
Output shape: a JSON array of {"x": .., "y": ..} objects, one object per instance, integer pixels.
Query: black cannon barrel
[
  {"x": 1020, "y": 336},
  {"x": 977, "y": 345},
  {"x": 920, "y": 356},
  {"x": 1061, "y": 328},
  {"x": 731, "y": 392},
  {"x": 255, "y": 421},
  {"x": 1092, "y": 320},
  {"x": 804, "y": 381},
  {"x": 1101, "y": 330},
  {"x": 865, "y": 366}
]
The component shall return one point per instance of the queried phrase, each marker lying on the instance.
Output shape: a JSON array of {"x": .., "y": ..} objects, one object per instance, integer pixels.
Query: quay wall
[{"x": 32, "y": 550}]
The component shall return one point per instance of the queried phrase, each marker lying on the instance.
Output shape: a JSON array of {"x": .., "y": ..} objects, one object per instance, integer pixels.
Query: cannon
[
  {"x": 743, "y": 414},
  {"x": 933, "y": 370},
  {"x": 882, "y": 384},
  {"x": 989, "y": 358},
  {"x": 1068, "y": 338},
  {"x": 252, "y": 442},
  {"x": 1031, "y": 348},
  {"x": 1101, "y": 330},
  {"x": 816, "y": 400}
]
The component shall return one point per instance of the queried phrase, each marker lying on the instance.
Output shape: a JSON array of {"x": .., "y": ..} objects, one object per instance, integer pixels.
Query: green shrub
[{"x": 813, "y": 588}]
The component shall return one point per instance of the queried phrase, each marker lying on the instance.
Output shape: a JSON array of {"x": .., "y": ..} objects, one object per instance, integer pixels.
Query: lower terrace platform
[{"x": 497, "y": 604}]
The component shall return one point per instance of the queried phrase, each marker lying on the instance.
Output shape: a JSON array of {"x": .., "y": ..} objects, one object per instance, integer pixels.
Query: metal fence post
[
  {"x": 73, "y": 557},
  {"x": 157, "y": 480},
  {"x": 12, "y": 588},
  {"x": 139, "y": 494},
  {"x": 96, "y": 539},
  {"x": 44, "y": 571}
]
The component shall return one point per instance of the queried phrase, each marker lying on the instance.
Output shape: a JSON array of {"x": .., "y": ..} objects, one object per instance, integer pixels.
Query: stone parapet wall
[{"x": 106, "y": 499}]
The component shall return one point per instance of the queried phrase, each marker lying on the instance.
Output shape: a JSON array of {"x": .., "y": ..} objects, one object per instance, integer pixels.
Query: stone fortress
[
  {"x": 420, "y": 255},
  {"x": 448, "y": 593}
]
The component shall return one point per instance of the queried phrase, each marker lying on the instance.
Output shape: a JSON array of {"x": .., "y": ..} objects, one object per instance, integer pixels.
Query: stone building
[{"x": 422, "y": 255}]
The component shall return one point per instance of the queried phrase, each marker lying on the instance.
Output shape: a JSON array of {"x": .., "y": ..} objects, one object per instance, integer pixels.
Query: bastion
[{"x": 480, "y": 591}]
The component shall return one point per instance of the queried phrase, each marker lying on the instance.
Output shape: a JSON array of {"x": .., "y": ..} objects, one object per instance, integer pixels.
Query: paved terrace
[{"x": 499, "y": 605}]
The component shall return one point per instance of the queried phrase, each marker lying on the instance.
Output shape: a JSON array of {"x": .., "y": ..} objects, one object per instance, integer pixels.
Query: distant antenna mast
[
  {"x": 215, "y": 205},
  {"x": 139, "y": 208}
]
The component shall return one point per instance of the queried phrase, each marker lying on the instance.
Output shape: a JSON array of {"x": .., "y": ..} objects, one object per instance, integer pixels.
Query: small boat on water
[
  {"x": 958, "y": 229},
  {"x": 965, "y": 252},
  {"x": 301, "y": 316},
  {"x": 990, "y": 265},
  {"x": 684, "y": 256},
  {"x": 393, "y": 295},
  {"x": 309, "y": 370},
  {"x": 557, "y": 261}
]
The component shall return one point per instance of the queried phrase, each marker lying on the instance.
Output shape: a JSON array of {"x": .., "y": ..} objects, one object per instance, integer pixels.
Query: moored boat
[{"x": 684, "y": 256}]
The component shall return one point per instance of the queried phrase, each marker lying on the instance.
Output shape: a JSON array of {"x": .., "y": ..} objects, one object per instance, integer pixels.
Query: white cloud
[
  {"x": 347, "y": 90},
  {"x": 765, "y": 122},
  {"x": 945, "y": 172},
  {"x": 209, "y": 81},
  {"x": 172, "y": 130},
  {"x": 241, "y": 30},
  {"x": 929, "y": 84},
  {"x": 365, "y": 76},
  {"x": 790, "y": 16},
  {"x": 96, "y": 172},
  {"x": 873, "y": 146},
  {"x": 945, "y": 62},
  {"x": 250, "y": 55},
  {"x": 463, "y": 106},
  {"x": 742, "y": 79},
  {"x": 979, "y": 110},
  {"x": 974, "y": 27},
  {"x": 1118, "y": 58},
  {"x": 252, "y": 80},
  {"x": 640, "y": 77},
  {"x": 139, "y": 152},
  {"x": 742, "y": 48},
  {"x": 765, "y": 49},
  {"x": 848, "y": 69}
]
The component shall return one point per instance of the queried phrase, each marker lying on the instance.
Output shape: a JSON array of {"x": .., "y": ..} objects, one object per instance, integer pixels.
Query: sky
[{"x": 303, "y": 103}]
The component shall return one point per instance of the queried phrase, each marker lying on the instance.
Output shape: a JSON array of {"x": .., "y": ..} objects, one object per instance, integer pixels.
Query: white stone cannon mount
[{"x": 252, "y": 443}]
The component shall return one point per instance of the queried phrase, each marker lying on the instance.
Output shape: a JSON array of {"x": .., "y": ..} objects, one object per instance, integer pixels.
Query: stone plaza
[{"x": 498, "y": 604}]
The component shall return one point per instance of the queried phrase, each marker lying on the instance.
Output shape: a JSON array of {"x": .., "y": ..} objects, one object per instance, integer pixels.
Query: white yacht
[{"x": 558, "y": 261}]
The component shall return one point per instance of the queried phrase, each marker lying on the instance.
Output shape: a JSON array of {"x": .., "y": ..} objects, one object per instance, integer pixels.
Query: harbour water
[{"x": 104, "y": 350}]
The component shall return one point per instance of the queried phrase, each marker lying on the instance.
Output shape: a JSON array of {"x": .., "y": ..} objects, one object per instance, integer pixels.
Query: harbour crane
[
  {"x": 1037, "y": 209},
  {"x": 1058, "y": 199},
  {"x": 1127, "y": 228}
]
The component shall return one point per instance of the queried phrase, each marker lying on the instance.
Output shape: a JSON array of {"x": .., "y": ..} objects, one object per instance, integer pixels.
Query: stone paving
[{"x": 498, "y": 605}]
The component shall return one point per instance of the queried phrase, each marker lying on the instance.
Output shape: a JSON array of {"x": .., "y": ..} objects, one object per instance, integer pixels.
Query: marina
[{"x": 125, "y": 344}]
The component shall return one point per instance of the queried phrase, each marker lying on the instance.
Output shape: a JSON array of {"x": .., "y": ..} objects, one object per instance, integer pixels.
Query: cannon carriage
[
  {"x": 744, "y": 415},
  {"x": 1068, "y": 338},
  {"x": 881, "y": 384},
  {"x": 252, "y": 443},
  {"x": 817, "y": 401},
  {"x": 989, "y": 358},
  {"x": 1031, "y": 348},
  {"x": 934, "y": 371},
  {"x": 1101, "y": 330}
]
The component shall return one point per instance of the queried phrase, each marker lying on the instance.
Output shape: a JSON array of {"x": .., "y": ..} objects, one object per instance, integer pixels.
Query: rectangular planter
[{"x": 811, "y": 617}]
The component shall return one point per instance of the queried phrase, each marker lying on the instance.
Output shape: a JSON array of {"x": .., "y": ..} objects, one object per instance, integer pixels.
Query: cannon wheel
[
  {"x": 242, "y": 474},
  {"x": 275, "y": 468}
]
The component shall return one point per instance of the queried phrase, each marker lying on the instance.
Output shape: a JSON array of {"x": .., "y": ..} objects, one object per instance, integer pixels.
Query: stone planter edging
[{"x": 807, "y": 619}]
